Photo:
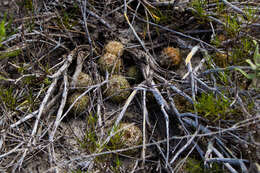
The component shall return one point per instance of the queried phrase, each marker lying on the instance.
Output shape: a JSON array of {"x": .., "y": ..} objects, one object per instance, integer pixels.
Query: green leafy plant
[
  {"x": 255, "y": 66},
  {"x": 8, "y": 97},
  {"x": 231, "y": 25},
  {"x": 90, "y": 141},
  {"x": 199, "y": 7}
]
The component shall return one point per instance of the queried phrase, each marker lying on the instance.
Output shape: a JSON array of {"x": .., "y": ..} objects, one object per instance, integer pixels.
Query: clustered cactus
[
  {"x": 111, "y": 59},
  {"x": 115, "y": 48},
  {"x": 117, "y": 87},
  {"x": 111, "y": 62},
  {"x": 83, "y": 80}
]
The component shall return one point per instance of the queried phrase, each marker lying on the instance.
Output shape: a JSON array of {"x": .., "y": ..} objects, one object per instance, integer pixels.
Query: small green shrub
[{"x": 90, "y": 141}]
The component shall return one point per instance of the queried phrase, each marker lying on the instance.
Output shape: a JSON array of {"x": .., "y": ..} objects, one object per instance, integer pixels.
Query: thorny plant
[{"x": 65, "y": 38}]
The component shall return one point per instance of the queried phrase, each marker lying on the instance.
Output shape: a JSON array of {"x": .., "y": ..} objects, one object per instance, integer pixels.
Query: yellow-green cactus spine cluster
[
  {"x": 129, "y": 136},
  {"x": 117, "y": 88},
  {"x": 84, "y": 80},
  {"x": 80, "y": 105}
]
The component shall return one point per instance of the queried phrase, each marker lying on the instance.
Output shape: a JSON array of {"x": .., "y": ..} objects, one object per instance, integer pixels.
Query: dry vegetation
[{"x": 176, "y": 91}]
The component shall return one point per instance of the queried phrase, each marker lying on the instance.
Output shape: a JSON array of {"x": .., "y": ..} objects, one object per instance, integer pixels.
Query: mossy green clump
[
  {"x": 8, "y": 98},
  {"x": 128, "y": 135},
  {"x": 192, "y": 165},
  {"x": 84, "y": 80},
  {"x": 80, "y": 105},
  {"x": 214, "y": 108},
  {"x": 109, "y": 61},
  {"x": 117, "y": 88}
]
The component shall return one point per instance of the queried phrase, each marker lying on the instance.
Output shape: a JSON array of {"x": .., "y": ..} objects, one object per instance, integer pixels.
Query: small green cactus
[
  {"x": 109, "y": 61},
  {"x": 84, "y": 80},
  {"x": 80, "y": 105},
  {"x": 117, "y": 88},
  {"x": 129, "y": 136}
]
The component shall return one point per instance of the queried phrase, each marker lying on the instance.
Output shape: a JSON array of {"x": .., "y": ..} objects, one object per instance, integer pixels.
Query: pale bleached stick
[
  {"x": 41, "y": 109},
  {"x": 227, "y": 160},
  {"x": 163, "y": 104},
  {"x": 145, "y": 114},
  {"x": 33, "y": 114},
  {"x": 184, "y": 147},
  {"x": 84, "y": 93},
  {"x": 234, "y": 8},
  {"x": 161, "y": 152},
  {"x": 15, "y": 149},
  {"x": 78, "y": 69},
  {"x": 58, "y": 116},
  {"x": 66, "y": 64},
  {"x": 27, "y": 117},
  {"x": 43, "y": 105},
  {"x": 36, "y": 123},
  {"x": 166, "y": 117},
  {"x": 119, "y": 118},
  {"x": 229, "y": 167},
  {"x": 188, "y": 59}
]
